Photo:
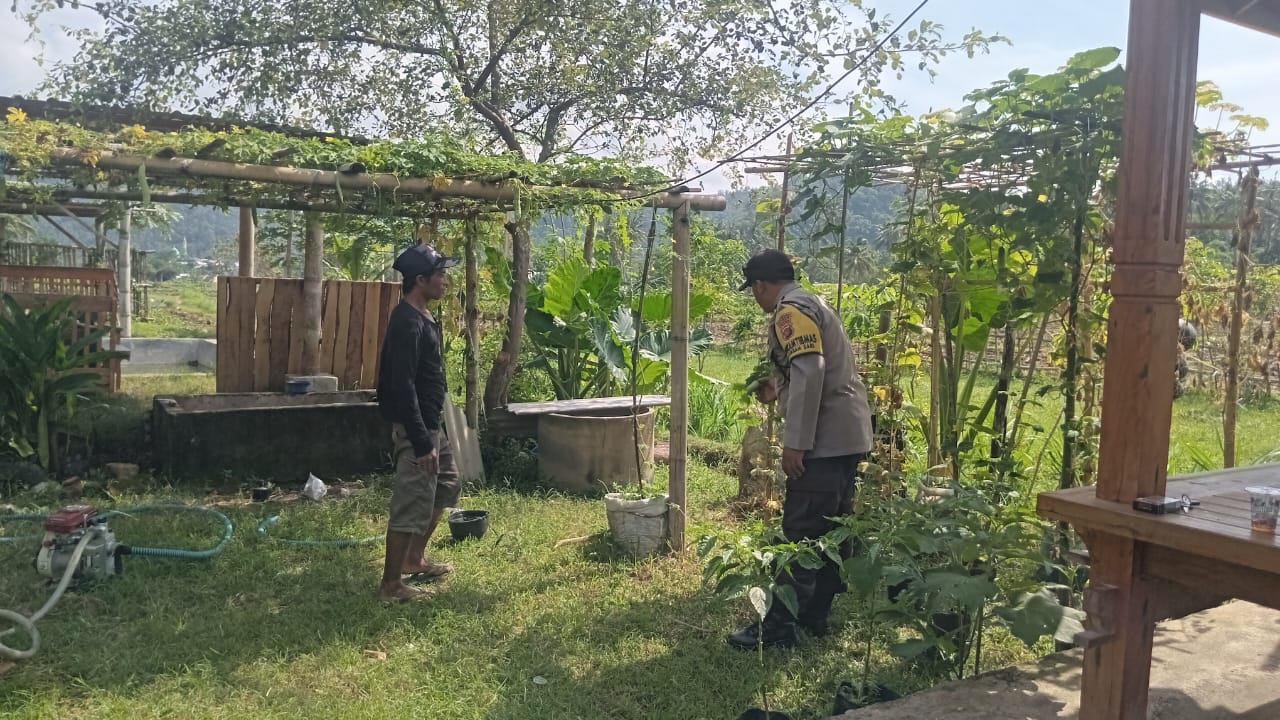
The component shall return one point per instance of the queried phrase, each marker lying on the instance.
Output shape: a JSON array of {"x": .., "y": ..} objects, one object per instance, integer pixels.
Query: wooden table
[{"x": 1146, "y": 568}]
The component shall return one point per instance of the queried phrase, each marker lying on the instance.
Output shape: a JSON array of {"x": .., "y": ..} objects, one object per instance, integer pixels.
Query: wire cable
[{"x": 794, "y": 116}]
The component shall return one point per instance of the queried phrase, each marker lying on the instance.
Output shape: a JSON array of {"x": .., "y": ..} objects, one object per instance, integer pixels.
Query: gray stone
[{"x": 1220, "y": 664}]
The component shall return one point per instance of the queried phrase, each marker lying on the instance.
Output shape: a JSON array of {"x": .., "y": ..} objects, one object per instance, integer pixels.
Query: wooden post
[
  {"x": 679, "y": 375},
  {"x": 471, "y": 316},
  {"x": 782, "y": 206},
  {"x": 589, "y": 240},
  {"x": 100, "y": 239},
  {"x": 1243, "y": 237},
  {"x": 312, "y": 293},
  {"x": 504, "y": 365},
  {"x": 124, "y": 270},
  {"x": 1142, "y": 335},
  {"x": 288, "y": 243},
  {"x": 248, "y": 243}
]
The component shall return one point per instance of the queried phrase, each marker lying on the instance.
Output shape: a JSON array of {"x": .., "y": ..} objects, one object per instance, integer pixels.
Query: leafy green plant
[
  {"x": 582, "y": 327},
  {"x": 45, "y": 374}
]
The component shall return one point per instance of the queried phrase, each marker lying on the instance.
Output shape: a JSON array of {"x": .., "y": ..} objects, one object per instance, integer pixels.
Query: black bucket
[{"x": 466, "y": 524}]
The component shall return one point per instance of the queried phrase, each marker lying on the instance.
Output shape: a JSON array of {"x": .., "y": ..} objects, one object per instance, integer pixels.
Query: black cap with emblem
[{"x": 767, "y": 265}]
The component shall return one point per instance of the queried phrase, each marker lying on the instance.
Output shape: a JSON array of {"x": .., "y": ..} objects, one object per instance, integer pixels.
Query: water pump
[{"x": 63, "y": 532}]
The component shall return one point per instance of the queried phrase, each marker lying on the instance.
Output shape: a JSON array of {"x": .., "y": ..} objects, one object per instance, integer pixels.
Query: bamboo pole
[
  {"x": 327, "y": 179},
  {"x": 471, "y": 316},
  {"x": 1243, "y": 240},
  {"x": 783, "y": 208},
  {"x": 312, "y": 293},
  {"x": 248, "y": 243},
  {"x": 677, "y": 464},
  {"x": 124, "y": 270}
]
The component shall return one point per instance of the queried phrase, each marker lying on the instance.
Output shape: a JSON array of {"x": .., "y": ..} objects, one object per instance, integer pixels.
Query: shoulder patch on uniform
[{"x": 797, "y": 333}]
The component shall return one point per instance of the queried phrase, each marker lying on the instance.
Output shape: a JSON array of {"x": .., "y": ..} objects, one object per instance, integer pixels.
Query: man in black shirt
[{"x": 411, "y": 393}]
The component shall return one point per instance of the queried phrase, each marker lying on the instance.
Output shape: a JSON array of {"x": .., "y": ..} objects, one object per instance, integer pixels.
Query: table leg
[{"x": 1117, "y": 671}]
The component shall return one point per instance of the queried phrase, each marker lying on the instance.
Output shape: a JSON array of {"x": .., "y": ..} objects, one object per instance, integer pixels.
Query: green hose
[
  {"x": 271, "y": 521},
  {"x": 24, "y": 517},
  {"x": 145, "y": 551},
  {"x": 178, "y": 552}
]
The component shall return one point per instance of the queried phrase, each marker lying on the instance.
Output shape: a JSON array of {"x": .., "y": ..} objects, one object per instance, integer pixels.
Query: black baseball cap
[
  {"x": 768, "y": 265},
  {"x": 421, "y": 260}
]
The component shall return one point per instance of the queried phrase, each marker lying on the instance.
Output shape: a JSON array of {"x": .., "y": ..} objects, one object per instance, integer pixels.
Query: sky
[{"x": 1044, "y": 33}]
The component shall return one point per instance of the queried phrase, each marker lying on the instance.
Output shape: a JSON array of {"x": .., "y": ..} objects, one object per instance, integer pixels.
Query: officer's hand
[
  {"x": 430, "y": 462},
  {"x": 792, "y": 462},
  {"x": 767, "y": 391}
]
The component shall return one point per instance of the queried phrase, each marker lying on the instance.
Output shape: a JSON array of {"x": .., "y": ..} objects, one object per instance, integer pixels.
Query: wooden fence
[
  {"x": 94, "y": 306},
  {"x": 260, "y": 338}
]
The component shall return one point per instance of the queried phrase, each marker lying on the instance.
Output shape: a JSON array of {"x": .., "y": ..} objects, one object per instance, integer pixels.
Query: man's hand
[
  {"x": 767, "y": 391},
  {"x": 430, "y": 462},
  {"x": 792, "y": 462}
]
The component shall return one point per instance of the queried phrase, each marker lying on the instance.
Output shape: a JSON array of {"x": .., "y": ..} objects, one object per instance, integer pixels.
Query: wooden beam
[
  {"x": 414, "y": 210},
  {"x": 312, "y": 293},
  {"x": 679, "y": 441},
  {"x": 1260, "y": 15},
  {"x": 307, "y": 177}
]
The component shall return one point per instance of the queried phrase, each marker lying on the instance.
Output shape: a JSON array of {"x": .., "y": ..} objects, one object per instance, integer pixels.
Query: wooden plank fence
[
  {"x": 94, "y": 306},
  {"x": 259, "y": 339}
]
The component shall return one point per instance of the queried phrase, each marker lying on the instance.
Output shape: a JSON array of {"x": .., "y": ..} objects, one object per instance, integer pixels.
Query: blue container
[{"x": 297, "y": 387}]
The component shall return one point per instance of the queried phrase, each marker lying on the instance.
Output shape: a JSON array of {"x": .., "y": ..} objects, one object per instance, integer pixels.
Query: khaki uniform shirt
[{"x": 819, "y": 392}]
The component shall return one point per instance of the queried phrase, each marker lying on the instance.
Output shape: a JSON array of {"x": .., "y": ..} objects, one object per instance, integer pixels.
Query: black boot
[{"x": 769, "y": 634}]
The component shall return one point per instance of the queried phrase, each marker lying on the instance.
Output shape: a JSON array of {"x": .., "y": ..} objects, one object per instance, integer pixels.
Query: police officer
[
  {"x": 411, "y": 394},
  {"x": 826, "y": 435}
]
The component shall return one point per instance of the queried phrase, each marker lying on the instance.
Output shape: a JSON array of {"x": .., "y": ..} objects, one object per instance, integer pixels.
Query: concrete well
[
  {"x": 591, "y": 452},
  {"x": 270, "y": 435}
]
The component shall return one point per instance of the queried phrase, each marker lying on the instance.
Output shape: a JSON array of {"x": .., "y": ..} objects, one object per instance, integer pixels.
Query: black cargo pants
[{"x": 825, "y": 490}]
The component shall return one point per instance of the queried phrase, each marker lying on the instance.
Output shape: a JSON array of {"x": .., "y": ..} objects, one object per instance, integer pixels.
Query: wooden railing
[
  {"x": 94, "y": 304},
  {"x": 260, "y": 340}
]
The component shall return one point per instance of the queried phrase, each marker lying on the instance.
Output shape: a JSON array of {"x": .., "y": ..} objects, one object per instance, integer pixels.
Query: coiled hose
[
  {"x": 270, "y": 522},
  {"x": 29, "y": 623}
]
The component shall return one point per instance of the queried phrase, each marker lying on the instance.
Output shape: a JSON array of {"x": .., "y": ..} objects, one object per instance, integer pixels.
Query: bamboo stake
[
  {"x": 782, "y": 207},
  {"x": 1243, "y": 239},
  {"x": 679, "y": 374}
]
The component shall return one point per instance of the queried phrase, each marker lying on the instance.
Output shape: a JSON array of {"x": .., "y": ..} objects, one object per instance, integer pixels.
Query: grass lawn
[
  {"x": 186, "y": 308},
  {"x": 273, "y": 631}
]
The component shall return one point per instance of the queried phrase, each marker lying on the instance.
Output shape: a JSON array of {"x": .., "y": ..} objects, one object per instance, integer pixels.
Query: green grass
[
  {"x": 727, "y": 363},
  {"x": 179, "y": 308},
  {"x": 270, "y": 631}
]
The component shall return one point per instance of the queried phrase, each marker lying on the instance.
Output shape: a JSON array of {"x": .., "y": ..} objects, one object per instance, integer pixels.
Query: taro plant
[
  {"x": 45, "y": 373},
  {"x": 582, "y": 329}
]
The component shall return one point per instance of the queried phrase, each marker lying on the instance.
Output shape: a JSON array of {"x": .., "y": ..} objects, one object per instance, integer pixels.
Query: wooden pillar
[
  {"x": 248, "y": 243},
  {"x": 1142, "y": 335},
  {"x": 312, "y": 293},
  {"x": 677, "y": 464},
  {"x": 124, "y": 269}
]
